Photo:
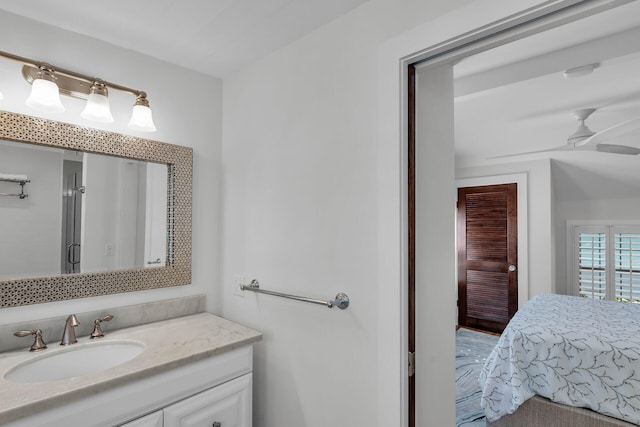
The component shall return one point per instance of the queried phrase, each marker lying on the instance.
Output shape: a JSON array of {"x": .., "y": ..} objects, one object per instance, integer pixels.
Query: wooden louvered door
[{"x": 487, "y": 256}]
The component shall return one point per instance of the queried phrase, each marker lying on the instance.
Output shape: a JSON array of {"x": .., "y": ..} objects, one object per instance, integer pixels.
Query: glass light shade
[
  {"x": 141, "y": 119},
  {"x": 45, "y": 96},
  {"x": 97, "y": 109}
]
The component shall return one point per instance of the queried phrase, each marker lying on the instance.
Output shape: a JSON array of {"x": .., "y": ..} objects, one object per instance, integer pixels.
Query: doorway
[{"x": 456, "y": 53}]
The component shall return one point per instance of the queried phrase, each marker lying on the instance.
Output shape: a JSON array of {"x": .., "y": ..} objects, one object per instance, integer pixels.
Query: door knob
[{"x": 512, "y": 267}]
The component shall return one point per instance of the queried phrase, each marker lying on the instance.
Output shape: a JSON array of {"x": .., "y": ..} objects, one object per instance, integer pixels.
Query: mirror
[
  {"x": 85, "y": 212},
  {"x": 79, "y": 212}
]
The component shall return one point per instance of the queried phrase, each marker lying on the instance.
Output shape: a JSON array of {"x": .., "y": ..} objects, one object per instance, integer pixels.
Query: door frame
[
  {"x": 463, "y": 32},
  {"x": 501, "y": 204},
  {"x": 523, "y": 224}
]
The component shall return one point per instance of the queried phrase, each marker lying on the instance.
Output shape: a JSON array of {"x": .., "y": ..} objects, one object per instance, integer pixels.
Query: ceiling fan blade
[
  {"x": 612, "y": 132},
  {"x": 617, "y": 149},
  {"x": 561, "y": 148}
]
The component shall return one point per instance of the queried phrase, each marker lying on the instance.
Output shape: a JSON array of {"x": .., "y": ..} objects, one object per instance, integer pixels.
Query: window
[{"x": 608, "y": 262}]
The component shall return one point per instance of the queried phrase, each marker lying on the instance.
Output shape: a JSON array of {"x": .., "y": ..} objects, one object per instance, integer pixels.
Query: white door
[{"x": 435, "y": 201}]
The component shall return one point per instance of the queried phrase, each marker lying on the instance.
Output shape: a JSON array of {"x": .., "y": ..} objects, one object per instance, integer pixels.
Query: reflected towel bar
[
  {"x": 341, "y": 301},
  {"x": 20, "y": 181}
]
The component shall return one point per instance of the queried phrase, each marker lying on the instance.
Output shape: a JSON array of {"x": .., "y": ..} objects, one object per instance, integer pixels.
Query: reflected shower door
[{"x": 72, "y": 191}]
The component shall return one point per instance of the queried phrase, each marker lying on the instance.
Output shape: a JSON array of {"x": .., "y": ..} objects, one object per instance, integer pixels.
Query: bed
[{"x": 573, "y": 351}]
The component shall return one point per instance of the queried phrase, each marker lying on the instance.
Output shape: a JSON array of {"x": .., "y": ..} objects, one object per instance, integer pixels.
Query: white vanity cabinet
[
  {"x": 227, "y": 405},
  {"x": 195, "y": 371}
]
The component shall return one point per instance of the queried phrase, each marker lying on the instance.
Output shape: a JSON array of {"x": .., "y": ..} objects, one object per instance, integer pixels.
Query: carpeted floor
[{"x": 472, "y": 348}]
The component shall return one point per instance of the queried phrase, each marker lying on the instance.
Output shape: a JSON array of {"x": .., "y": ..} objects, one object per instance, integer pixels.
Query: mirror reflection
[{"x": 65, "y": 212}]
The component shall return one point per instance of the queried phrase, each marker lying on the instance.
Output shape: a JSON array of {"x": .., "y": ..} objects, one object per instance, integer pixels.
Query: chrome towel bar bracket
[{"x": 341, "y": 301}]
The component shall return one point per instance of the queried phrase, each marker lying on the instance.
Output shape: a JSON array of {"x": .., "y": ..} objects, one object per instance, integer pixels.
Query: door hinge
[{"x": 412, "y": 363}]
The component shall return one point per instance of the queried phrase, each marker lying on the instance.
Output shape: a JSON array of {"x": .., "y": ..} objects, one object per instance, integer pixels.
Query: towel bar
[
  {"x": 20, "y": 180},
  {"x": 341, "y": 301}
]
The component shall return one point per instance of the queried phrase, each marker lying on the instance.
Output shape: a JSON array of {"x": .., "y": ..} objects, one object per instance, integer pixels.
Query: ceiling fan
[{"x": 584, "y": 139}]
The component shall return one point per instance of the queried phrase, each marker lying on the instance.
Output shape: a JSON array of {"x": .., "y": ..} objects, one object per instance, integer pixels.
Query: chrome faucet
[{"x": 69, "y": 334}]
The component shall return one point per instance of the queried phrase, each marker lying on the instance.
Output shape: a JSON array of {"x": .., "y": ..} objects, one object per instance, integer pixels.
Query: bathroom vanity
[{"x": 188, "y": 371}]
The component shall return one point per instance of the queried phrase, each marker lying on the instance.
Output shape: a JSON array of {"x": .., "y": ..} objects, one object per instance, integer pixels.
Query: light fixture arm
[{"x": 80, "y": 76}]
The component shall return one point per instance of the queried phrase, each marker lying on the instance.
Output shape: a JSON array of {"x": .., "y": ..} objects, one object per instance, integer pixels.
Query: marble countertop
[{"x": 168, "y": 344}]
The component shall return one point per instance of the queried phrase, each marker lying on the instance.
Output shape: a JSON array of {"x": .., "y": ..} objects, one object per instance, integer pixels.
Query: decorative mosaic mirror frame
[{"x": 33, "y": 130}]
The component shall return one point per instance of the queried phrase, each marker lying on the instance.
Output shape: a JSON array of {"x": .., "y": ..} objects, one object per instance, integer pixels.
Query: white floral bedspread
[{"x": 575, "y": 351}]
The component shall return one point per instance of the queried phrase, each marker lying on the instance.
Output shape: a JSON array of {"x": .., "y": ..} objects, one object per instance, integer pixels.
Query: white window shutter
[
  {"x": 591, "y": 263},
  {"x": 607, "y": 265},
  {"x": 626, "y": 262}
]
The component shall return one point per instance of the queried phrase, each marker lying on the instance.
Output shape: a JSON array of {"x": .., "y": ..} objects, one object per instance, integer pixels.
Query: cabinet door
[
  {"x": 154, "y": 419},
  {"x": 227, "y": 405}
]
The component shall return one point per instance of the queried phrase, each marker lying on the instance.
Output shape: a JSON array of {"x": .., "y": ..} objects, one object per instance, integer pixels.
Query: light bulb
[
  {"x": 45, "y": 96},
  {"x": 97, "y": 106},
  {"x": 141, "y": 117}
]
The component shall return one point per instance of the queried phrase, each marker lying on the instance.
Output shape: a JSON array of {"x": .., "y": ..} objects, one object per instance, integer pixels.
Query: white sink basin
[{"x": 74, "y": 361}]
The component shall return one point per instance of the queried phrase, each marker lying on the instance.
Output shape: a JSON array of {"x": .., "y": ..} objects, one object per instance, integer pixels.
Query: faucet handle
[
  {"x": 38, "y": 343},
  {"x": 97, "y": 330}
]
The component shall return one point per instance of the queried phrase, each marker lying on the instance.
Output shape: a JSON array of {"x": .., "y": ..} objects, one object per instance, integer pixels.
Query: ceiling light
[
  {"x": 97, "y": 107},
  {"x": 45, "y": 95},
  {"x": 580, "y": 71},
  {"x": 49, "y": 82},
  {"x": 141, "y": 117}
]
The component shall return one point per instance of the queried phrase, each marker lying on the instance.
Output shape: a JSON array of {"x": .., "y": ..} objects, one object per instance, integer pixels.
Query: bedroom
[{"x": 506, "y": 108}]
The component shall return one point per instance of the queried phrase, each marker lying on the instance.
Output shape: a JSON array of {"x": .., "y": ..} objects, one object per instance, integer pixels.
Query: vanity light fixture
[
  {"x": 48, "y": 82},
  {"x": 97, "y": 107},
  {"x": 45, "y": 95},
  {"x": 141, "y": 118}
]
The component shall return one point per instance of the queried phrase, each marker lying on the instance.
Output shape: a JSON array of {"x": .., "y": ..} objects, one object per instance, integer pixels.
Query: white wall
[
  {"x": 181, "y": 118},
  {"x": 541, "y": 227},
  {"x": 31, "y": 228},
  {"x": 110, "y": 214},
  {"x": 306, "y": 211},
  {"x": 155, "y": 215},
  {"x": 128, "y": 247},
  {"x": 100, "y": 213}
]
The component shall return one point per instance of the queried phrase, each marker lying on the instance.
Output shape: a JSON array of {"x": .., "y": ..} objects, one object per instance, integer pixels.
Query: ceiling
[
  {"x": 509, "y": 100},
  {"x": 215, "y": 37},
  {"x": 515, "y": 99}
]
